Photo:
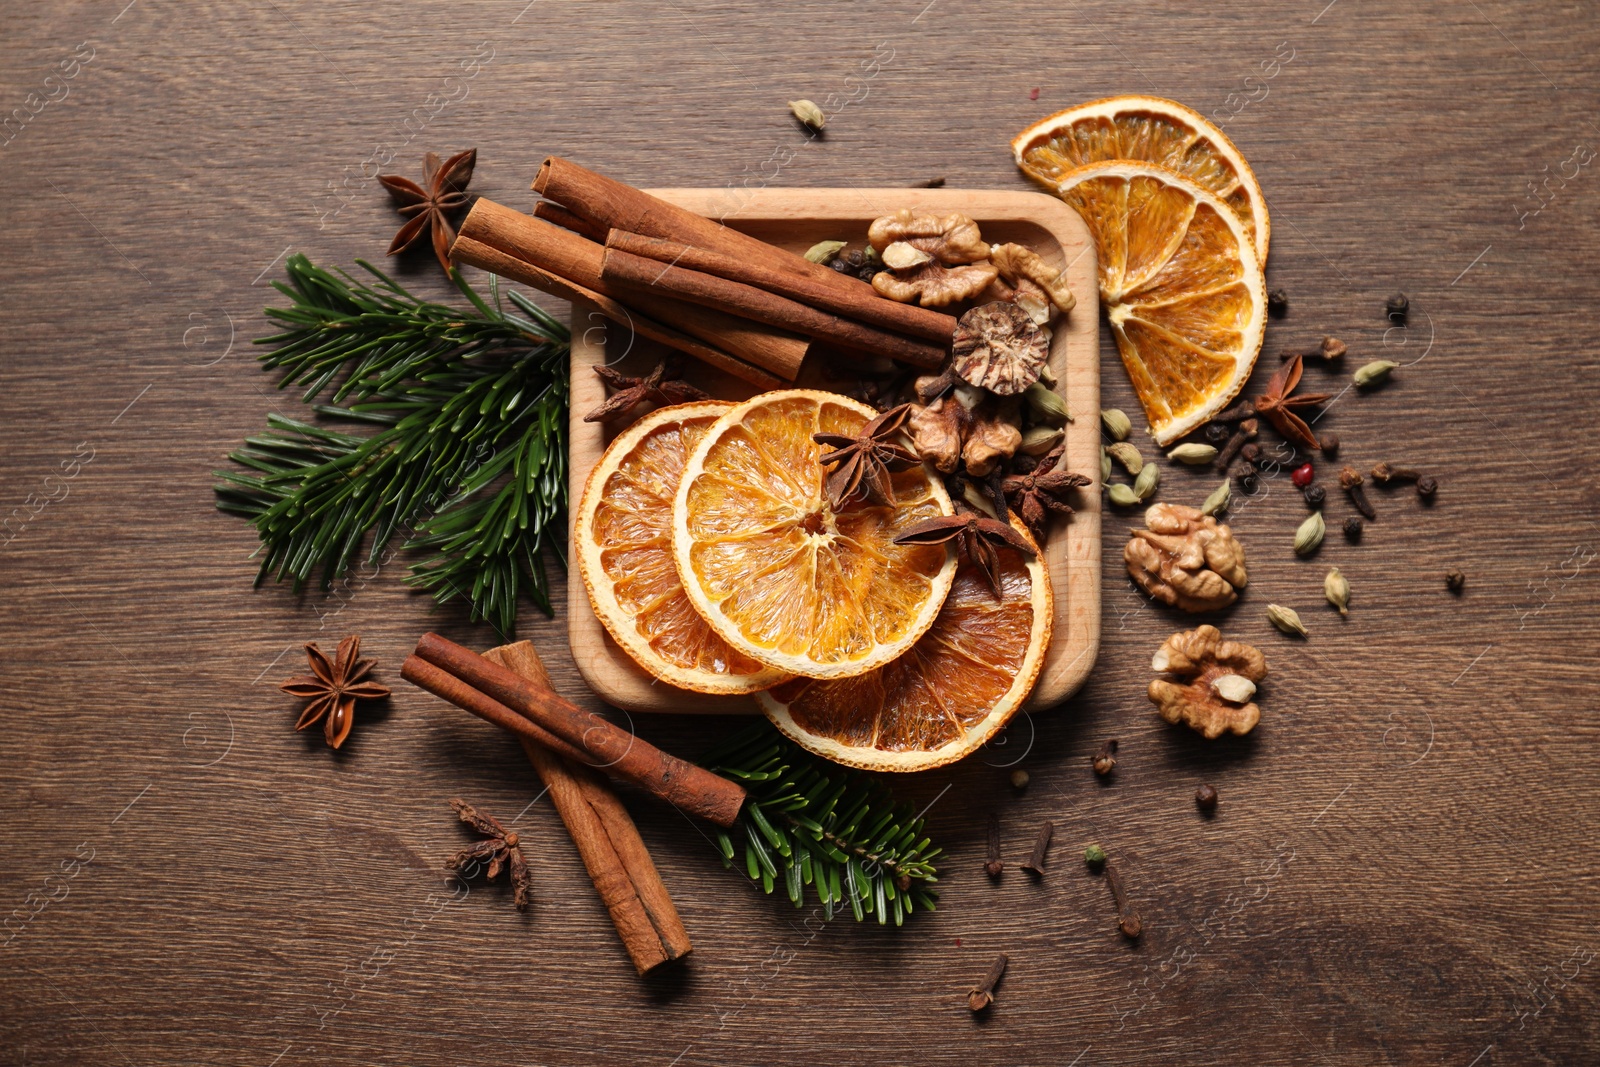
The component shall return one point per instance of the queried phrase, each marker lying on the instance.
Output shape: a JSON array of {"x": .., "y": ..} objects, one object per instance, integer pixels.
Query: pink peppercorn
[{"x": 1302, "y": 476}]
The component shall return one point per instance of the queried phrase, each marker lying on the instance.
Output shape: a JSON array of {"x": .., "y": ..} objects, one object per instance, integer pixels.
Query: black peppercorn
[
  {"x": 1249, "y": 483},
  {"x": 1329, "y": 443},
  {"x": 854, "y": 258},
  {"x": 1277, "y": 303},
  {"x": 1396, "y": 306},
  {"x": 868, "y": 272},
  {"x": 1206, "y": 798},
  {"x": 1217, "y": 434},
  {"x": 1454, "y": 581},
  {"x": 1315, "y": 495},
  {"x": 1352, "y": 528},
  {"x": 1427, "y": 485},
  {"x": 1022, "y": 463},
  {"x": 840, "y": 266}
]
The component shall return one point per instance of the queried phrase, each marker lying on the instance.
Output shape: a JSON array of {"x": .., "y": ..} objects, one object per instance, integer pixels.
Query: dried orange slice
[
  {"x": 1181, "y": 284},
  {"x": 1145, "y": 129},
  {"x": 622, "y": 537},
  {"x": 783, "y": 577},
  {"x": 964, "y": 680}
]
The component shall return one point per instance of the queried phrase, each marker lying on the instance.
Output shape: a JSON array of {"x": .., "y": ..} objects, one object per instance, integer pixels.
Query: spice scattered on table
[
  {"x": 1455, "y": 581},
  {"x": 1205, "y": 799},
  {"x": 333, "y": 686},
  {"x": 808, "y": 114},
  {"x": 982, "y": 994},
  {"x": 1034, "y": 864},
  {"x": 661, "y": 386},
  {"x": 442, "y": 193},
  {"x": 1286, "y": 619},
  {"x": 1215, "y": 680},
  {"x": 862, "y": 463},
  {"x": 1105, "y": 761},
  {"x": 1351, "y": 482},
  {"x": 1280, "y": 406},
  {"x": 1396, "y": 307},
  {"x": 1353, "y": 527},
  {"x": 1375, "y": 373},
  {"x": 1336, "y": 587},
  {"x": 1019, "y": 780},
  {"x": 502, "y": 849},
  {"x": 1277, "y": 303},
  {"x": 1308, "y": 538},
  {"x": 993, "y": 864},
  {"x": 1128, "y": 920}
]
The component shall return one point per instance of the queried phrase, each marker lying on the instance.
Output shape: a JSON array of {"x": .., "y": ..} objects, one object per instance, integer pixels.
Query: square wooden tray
[{"x": 797, "y": 219}]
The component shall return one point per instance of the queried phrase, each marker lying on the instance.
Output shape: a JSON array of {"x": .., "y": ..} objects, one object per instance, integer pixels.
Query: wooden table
[{"x": 1403, "y": 867}]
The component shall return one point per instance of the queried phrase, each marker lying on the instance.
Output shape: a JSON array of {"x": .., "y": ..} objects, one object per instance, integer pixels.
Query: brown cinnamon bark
[
  {"x": 609, "y": 844},
  {"x": 578, "y": 260},
  {"x": 858, "y": 301},
  {"x": 638, "y": 275},
  {"x": 550, "y": 211},
  {"x": 693, "y": 789},
  {"x": 447, "y": 687}
]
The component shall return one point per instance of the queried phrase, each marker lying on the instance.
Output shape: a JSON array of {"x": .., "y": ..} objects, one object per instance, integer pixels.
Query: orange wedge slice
[
  {"x": 1151, "y": 130},
  {"x": 622, "y": 538},
  {"x": 960, "y": 683},
  {"x": 780, "y": 575},
  {"x": 1181, "y": 284}
]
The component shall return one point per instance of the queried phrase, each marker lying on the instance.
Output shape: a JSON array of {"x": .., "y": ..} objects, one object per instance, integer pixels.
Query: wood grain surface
[
  {"x": 796, "y": 219},
  {"x": 1403, "y": 866}
]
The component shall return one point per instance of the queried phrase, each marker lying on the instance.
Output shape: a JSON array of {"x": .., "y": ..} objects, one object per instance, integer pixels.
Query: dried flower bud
[
  {"x": 1038, "y": 440},
  {"x": 809, "y": 114},
  {"x": 1374, "y": 372},
  {"x": 1455, "y": 581},
  {"x": 1336, "y": 587},
  {"x": 1353, "y": 527},
  {"x": 1144, "y": 486},
  {"x": 1218, "y": 500},
  {"x": 1234, "y": 688},
  {"x": 824, "y": 251},
  {"x": 1094, "y": 855},
  {"x": 1116, "y": 424},
  {"x": 1194, "y": 455},
  {"x": 1125, "y": 454},
  {"x": 1285, "y": 619},
  {"x": 1046, "y": 406},
  {"x": 1309, "y": 536},
  {"x": 1250, "y": 453},
  {"x": 1121, "y": 495}
]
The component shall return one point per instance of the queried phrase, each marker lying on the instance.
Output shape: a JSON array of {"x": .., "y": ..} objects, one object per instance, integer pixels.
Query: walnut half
[
  {"x": 1186, "y": 559},
  {"x": 1219, "y": 679}
]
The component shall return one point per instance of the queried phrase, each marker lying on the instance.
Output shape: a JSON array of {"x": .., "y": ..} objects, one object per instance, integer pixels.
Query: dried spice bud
[
  {"x": 1308, "y": 538},
  {"x": 1396, "y": 307},
  {"x": 1041, "y": 845},
  {"x": 1127, "y": 918},
  {"x": 824, "y": 251},
  {"x": 1336, "y": 587},
  {"x": 1205, "y": 799},
  {"x": 1244, "y": 409},
  {"x": 1315, "y": 495},
  {"x": 1045, "y": 406},
  {"x": 1116, "y": 424},
  {"x": 1455, "y": 581},
  {"x": 1127, "y": 455},
  {"x": 1218, "y": 501},
  {"x": 1277, "y": 303},
  {"x": 993, "y": 864},
  {"x": 334, "y": 685},
  {"x": 982, "y": 994},
  {"x": 1193, "y": 455},
  {"x": 1216, "y": 681},
  {"x": 1251, "y": 454},
  {"x": 1333, "y": 349},
  {"x": 1144, "y": 486},
  {"x": 1350, "y": 482},
  {"x": 809, "y": 114},
  {"x": 501, "y": 847},
  {"x": 1384, "y": 473},
  {"x": 1286, "y": 619},
  {"x": 1353, "y": 528},
  {"x": 1105, "y": 761},
  {"x": 1237, "y": 442},
  {"x": 1375, "y": 372}
]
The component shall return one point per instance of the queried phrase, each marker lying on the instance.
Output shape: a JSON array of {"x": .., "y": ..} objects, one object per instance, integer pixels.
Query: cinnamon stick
[
  {"x": 609, "y": 844},
  {"x": 640, "y": 275},
  {"x": 695, "y": 790},
  {"x": 577, "y": 259},
  {"x": 550, "y": 211},
  {"x": 447, "y": 687},
  {"x": 858, "y": 302},
  {"x": 467, "y": 250}
]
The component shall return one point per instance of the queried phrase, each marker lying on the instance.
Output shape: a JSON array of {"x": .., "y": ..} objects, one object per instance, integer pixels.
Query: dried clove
[
  {"x": 1330, "y": 351},
  {"x": 1251, "y": 454},
  {"x": 1206, "y": 798},
  {"x": 1127, "y": 918},
  {"x": 1244, "y": 409},
  {"x": 1396, "y": 307},
  {"x": 1041, "y": 845},
  {"x": 982, "y": 995},
  {"x": 1277, "y": 303},
  {"x": 1105, "y": 761},
  {"x": 1384, "y": 473},
  {"x": 1455, "y": 581},
  {"x": 1246, "y": 432},
  {"x": 993, "y": 865},
  {"x": 929, "y": 183},
  {"x": 1350, "y": 482},
  {"x": 1353, "y": 528}
]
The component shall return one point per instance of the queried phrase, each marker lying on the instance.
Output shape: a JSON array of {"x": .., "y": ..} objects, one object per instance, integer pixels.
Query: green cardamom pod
[
  {"x": 1194, "y": 454},
  {"x": 824, "y": 251},
  {"x": 1122, "y": 496},
  {"x": 1375, "y": 372},
  {"x": 1046, "y": 406},
  {"x": 1038, "y": 440},
  {"x": 1144, "y": 486},
  {"x": 808, "y": 113},
  {"x": 1105, "y": 465},
  {"x": 1117, "y": 425},
  {"x": 1309, "y": 535},
  {"x": 1336, "y": 587},
  {"x": 1285, "y": 619},
  {"x": 1128, "y": 456},
  {"x": 1218, "y": 500}
]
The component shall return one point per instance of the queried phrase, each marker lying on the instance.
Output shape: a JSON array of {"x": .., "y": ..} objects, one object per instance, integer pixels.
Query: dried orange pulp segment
[
  {"x": 622, "y": 537},
  {"x": 780, "y": 575},
  {"x": 1181, "y": 284},
  {"x": 960, "y": 683},
  {"x": 1146, "y": 129}
]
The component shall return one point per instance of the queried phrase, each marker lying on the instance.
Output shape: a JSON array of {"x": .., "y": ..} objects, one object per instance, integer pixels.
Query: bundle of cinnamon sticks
[
  {"x": 569, "y": 747},
  {"x": 733, "y": 301}
]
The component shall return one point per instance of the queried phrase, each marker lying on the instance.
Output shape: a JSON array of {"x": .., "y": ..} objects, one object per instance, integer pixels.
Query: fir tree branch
[
  {"x": 811, "y": 822},
  {"x": 468, "y": 461}
]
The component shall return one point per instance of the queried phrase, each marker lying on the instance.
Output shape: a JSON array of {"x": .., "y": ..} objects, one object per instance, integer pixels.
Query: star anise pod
[
  {"x": 1044, "y": 489},
  {"x": 980, "y": 538},
  {"x": 443, "y": 191},
  {"x": 660, "y": 386},
  {"x": 862, "y": 464},
  {"x": 334, "y": 686},
  {"x": 501, "y": 847},
  {"x": 1278, "y": 406}
]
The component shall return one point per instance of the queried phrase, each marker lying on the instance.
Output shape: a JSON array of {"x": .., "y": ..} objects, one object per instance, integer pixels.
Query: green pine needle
[
  {"x": 469, "y": 459},
  {"x": 812, "y": 823}
]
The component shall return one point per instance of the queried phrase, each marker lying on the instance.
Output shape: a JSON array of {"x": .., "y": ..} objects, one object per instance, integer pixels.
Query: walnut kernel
[
  {"x": 1186, "y": 559},
  {"x": 1213, "y": 670}
]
